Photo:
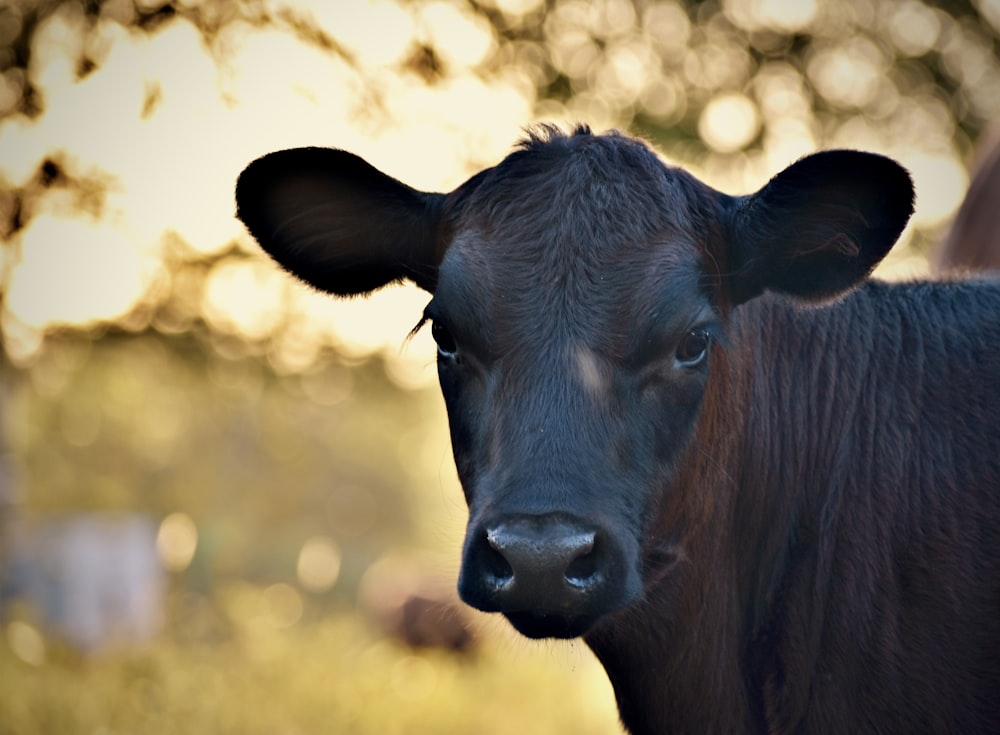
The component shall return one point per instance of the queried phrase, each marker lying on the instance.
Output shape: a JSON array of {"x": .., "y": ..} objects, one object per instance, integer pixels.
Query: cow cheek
[
  {"x": 641, "y": 448},
  {"x": 465, "y": 424},
  {"x": 672, "y": 412}
]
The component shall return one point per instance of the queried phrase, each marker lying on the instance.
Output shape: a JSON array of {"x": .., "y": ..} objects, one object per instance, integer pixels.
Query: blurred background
[{"x": 227, "y": 503}]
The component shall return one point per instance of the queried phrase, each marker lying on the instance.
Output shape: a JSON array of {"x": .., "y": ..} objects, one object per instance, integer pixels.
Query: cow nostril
[
  {"x": 543, "y": 568},
  {"x": 535, "y": 557},
  {"x": 583, "y": 570},
  {"x": 497, "y": 569}
]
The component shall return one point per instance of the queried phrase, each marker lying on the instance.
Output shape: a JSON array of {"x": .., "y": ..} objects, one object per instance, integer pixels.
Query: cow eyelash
[
  {"x": 446, "y": 345},
  {"x": 424, "y": 318}
]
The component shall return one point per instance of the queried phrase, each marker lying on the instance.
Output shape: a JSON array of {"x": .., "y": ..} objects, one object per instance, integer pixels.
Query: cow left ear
[
  {"x": 338, "y": 223},
  {"x": 819, "y": 227}
]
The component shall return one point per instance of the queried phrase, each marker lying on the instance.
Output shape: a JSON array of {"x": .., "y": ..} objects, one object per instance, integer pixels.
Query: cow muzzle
[{"x": 551, "y": 575}]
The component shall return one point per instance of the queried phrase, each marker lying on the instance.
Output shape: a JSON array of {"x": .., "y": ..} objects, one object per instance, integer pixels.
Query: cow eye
[
  {"x": 445, "y": 342},
  {"x": 693, "y": 347}
]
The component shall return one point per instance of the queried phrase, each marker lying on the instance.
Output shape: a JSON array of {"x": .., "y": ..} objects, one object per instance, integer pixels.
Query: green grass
[{"x": 331, "y": 676}]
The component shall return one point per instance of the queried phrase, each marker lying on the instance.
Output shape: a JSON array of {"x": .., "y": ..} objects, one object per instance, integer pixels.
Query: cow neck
[
  {"x": 699, "y": 653},
  {"x": 673, "y": 658}
]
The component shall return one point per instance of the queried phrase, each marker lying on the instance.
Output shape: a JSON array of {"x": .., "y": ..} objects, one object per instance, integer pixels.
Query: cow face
[{"x": 580, "y": 289}]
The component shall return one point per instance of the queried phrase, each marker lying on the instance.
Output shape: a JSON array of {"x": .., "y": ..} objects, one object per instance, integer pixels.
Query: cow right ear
[
  {"x": 819, "y": 227},
  {"x": 338, "y": 223}
]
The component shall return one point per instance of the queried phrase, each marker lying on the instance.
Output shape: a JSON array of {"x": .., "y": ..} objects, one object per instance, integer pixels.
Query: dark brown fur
[{"x": 855, "y": 580}]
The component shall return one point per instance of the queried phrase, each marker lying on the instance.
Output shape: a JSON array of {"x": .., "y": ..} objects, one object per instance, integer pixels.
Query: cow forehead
[
  {"x": 578, "y": 196},
  {"x": 575, "y": 233}
]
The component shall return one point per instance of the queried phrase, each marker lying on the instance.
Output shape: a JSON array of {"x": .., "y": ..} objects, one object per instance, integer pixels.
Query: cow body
[
  {"x": 851, "y": 580},
  {"x": 762, "y": 514}
]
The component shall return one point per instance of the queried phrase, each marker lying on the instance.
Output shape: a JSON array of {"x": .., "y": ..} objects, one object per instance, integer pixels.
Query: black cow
[{"x": 764, "y": 489}]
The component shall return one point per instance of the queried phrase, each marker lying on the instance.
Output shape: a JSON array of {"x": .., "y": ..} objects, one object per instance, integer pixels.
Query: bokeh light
[
  {"x": 282, "y": 605},
  {"x": 729, "y": 122},
  {"x": 787, "y": 16},
  {"x": 26, "y": 642},
  {"x": 319, "y": 563},
  {"x": 176, "y": 541},
  {"x": 62, "y": 276}
]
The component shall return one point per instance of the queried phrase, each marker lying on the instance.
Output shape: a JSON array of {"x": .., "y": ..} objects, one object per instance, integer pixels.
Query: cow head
[{"x": 579, "y": 290}]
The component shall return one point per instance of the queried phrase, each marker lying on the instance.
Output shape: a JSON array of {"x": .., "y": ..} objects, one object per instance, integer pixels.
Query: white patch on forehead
[{"x": 587, "y": 368}]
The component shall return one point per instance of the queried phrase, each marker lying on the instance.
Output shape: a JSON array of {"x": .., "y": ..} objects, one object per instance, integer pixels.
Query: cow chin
[{"x": 537, "y": 625}]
